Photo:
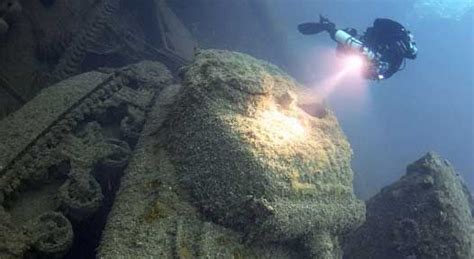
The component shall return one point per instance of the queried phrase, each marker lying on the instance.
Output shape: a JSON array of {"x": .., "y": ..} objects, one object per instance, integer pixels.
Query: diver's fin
[{"x": 312, "y": 28}]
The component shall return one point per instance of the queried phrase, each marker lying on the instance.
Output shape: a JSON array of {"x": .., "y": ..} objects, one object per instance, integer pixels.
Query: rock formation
[
  {"x": 426, "y": 214},
  {"x": 228, "y": 165}
]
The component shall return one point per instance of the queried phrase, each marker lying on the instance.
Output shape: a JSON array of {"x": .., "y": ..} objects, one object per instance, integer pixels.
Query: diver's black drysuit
[
  {"x": 384, "y": 37},
  {"x": 387, "y": 38}
]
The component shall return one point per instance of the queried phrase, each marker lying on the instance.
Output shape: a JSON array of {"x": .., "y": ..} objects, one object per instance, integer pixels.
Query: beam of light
[
  {"x": 324, "y": 88},
  {"x": 354, "y": 63},
  {"x": 345, "y": 77}
]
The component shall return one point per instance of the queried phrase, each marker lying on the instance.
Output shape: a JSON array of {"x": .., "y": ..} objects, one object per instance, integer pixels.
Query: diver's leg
[
  {"x": 311, "y": 28},
  {"x": 315, "y": 28}
]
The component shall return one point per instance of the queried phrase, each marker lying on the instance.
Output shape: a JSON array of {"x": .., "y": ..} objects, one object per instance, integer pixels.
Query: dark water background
[{"x": 428, "y": 106}]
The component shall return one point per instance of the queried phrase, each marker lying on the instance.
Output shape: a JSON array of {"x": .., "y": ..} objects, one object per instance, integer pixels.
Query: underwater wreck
[{"x": 127, "y": 148}]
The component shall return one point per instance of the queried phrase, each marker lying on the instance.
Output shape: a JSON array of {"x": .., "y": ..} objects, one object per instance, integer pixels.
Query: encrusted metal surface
[{"x": 66, "y": 149}]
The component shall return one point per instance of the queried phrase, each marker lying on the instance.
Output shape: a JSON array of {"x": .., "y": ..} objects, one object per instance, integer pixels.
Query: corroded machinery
[
  {"x": 220, "y": 162},
  {"x": 285, "y": 193},
  {"x": 63, "y": 153},
  {"x": 189, "y": 155},
  {"x": 44, "y": 42},
  {"x": 428, "y": 213},
  {"x": 229, "y": 166}
]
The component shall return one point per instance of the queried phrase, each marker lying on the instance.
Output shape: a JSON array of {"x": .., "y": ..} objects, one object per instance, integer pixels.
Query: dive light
[{"x": 376, "y": 68}]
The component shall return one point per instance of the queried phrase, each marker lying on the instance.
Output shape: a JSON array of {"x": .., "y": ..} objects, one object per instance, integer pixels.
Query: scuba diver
[{"x": 385, "y": 45}]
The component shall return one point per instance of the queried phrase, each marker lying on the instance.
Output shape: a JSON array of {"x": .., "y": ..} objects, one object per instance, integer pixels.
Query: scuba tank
[{"x": 376, "y": 68}]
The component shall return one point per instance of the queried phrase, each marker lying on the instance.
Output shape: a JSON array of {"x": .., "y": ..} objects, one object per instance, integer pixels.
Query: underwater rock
[
  {"x": 426, "y": 214},
  {"x": 253, "y": 161}
]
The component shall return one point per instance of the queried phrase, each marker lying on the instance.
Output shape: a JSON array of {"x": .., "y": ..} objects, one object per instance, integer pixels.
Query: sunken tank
[
  {"x": 255, "y": 162},
  {"x": 428, "y": 213}
]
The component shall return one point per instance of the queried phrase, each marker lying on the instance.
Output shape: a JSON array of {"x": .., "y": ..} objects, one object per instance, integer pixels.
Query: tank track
[
  {"x": 69, "y": 64},
  {"x": 31, "y": 158},
  {"x": 33, "y": 153},
  {"x": 65, "y": 151}
]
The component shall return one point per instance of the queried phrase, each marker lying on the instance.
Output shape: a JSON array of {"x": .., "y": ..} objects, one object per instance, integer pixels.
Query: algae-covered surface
[
  {"x": 21, "y": 128},
  {"x": 152, "y": 216},
  {"x": 253, "y": 159},
  {"x": 65, "y": 162},
  {"x": 426, "y": 214},
  {"x": 229, "y": 166}
]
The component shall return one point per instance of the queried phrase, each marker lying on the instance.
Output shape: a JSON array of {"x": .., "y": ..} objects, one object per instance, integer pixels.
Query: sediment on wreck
[
  {"x": 70, "y": 63},
  {"x": 254, "y": 161},
  {"x": 232, "y": 166},
  {"x": 51, "y": 41},
  {"x": 426, "y": 214},
  {"x": 62, "y": 156}
]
